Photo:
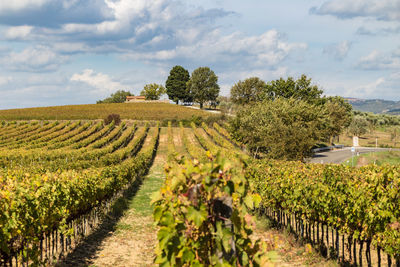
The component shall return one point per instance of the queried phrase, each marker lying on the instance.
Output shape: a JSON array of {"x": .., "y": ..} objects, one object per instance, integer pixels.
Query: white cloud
[
  {"x": 369, "y": 89},
  {"x": 339, "y": 50},
  {"x": 5, "y": 80},
  {"x": 34, "y": 59},
  {"x": 268, "y": 49},
  {"x": 54, "y": 13},
  {"x": 102, "y": 83},
  {"x": 18, "y": 32},
  {"x": 378, "y": 87},
  {"x": 15, "y": 5},
  {"x": 378, "y": 61},
  {"x": 379, "y": 9}
]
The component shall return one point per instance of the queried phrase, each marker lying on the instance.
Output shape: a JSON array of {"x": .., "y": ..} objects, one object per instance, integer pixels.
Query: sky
[{"x": 60, "y": 52}]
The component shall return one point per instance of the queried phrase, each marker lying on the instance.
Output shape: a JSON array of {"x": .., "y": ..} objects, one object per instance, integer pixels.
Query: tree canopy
[
  {"x": 280, "y": 128},
  {"x": 248, "y": 91},
  {"x": 176, "y": 84},
  {"x": 300, "y": 89},
  {"x": 153, "y": 91},
  {"x": 203, "y": 85},
  {"x": 339, "y": 114},
  {"x": 358, "y": 126},
  {"x": 117, "y": 97}
]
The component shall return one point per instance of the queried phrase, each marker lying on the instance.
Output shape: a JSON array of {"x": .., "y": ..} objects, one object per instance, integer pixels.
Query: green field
[
  {"x": 378, "y": 158},
  {"x": 381, "y": 135},
  {"x": 133, "y": 111}
]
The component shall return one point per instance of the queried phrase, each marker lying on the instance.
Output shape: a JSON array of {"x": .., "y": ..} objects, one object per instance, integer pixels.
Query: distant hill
[{"x": 375, "y": 105}]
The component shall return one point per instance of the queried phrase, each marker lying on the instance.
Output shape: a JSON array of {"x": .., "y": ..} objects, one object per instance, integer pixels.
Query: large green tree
[
  {"x": 203, "y": 85},
  {"x": 153, "y": 91},
  {"x": 248, "y": 91},
  {"x": 300, "y": 89},
  {"x": 280, "y": 128},
  {"x": 339, "y": 115},
  {"x": 176, "y": 84},
  {"x": 117, "y": 97}
]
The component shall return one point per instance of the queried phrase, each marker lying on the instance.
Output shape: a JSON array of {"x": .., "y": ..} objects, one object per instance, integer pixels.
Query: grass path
[
  {"x": 134, "y": 239},
  {"x": 127, "y": 238}
]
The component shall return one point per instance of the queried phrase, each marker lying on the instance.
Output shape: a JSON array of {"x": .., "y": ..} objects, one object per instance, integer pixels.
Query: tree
[
  {"x": 203, "y": 85},
  {"x": 225, "y": 104},
  {"x": 248, "y": 91},
  {"x": 358, "y": 126},
  {"x": 280, "y": 128},
  {"x": 176, "y": 84},
  {"x": 153, "y": 91},
  {"x": 394, "y": 133},
  {"x": 117, "y": 97},
  {"x": 300, "y": 89},
  {"x": 339, "y": 115}
]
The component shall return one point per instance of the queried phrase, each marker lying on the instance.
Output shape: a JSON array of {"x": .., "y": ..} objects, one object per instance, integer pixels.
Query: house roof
[{"x": 135, "y": 97}]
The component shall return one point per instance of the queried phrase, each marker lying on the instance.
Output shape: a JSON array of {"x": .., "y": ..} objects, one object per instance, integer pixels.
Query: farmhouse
[
  {"x": 142, "y": 99},
  {"x": 135, "y": 98}
]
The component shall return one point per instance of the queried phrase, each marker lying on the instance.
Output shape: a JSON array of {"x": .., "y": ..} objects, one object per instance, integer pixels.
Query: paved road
[
  {"x": 340, "y": 155},
  {"x": 208, "y": 110}
]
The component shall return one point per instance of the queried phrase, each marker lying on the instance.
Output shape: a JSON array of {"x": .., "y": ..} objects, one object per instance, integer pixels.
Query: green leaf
[
  {"x": 188, "y": 255},
  {"x": 227, "y": 239},
  {"x": 248, "y": 200},
  {"x": 167, "y": 219},
  {"x": 196, "y": 216},
  {"x": 158, "y": 211},
  {"x": 256, "y": 200}
]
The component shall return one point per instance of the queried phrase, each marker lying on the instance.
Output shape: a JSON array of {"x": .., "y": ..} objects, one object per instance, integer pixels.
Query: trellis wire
[
  {"x": 55, "y": 245},
  {"x": 330, "y": 242}
]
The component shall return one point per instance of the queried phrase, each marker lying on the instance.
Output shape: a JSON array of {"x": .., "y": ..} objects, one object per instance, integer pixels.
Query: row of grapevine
[
  {"x": 27, "y": 156},
  {"x": 201, "y": 211},
  {"x": 20, "y": 139},
  {"x": 321, "y": 201},
  {"x": 362, "y": 203},
  {"x": 64, "y": 172}
]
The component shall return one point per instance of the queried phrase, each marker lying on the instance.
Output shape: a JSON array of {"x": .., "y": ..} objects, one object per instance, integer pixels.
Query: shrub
[{"x": 112, "y": 117}]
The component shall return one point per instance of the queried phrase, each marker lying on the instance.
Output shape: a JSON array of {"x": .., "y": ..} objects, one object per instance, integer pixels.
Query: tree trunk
[{"x": 201, "y": 105}]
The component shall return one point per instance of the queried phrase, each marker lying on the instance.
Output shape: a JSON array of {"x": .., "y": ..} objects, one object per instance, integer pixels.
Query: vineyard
[
  {"x": 58, "y": 179},
  {"x": 133, "y": 111}
]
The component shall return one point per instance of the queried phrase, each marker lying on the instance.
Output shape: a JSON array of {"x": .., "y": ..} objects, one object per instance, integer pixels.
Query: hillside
[
  {"x": 136, "y": 111},
  {"x": 375, "y": 105}
]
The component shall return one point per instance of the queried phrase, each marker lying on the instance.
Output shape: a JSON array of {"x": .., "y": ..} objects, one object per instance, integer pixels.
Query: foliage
[
  {"x": 153, "y": 91},
  {"x": 117, "y": 97},
  {"x": 300, "y": 89},
  {"x": 112, "y": 118},
  {"x": 280, "y": 129},
  {"x": 201, "y": 213},
  {"x": 176, "y": 85},
  {"x": 203, "y": 85},
  {"x": 394, "y": 134},
  {"x": 358, "y": 126},
  {"x": 221, "y": 130},
  {"x": 248, "y": 91},
  {"x": 339, "y": 114},
  {"x": 377, "y": 120},
  {"x": 38, "y": 198},
  {"x": 225, "y": 104},
  {"x": 361, "y": 202}
]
